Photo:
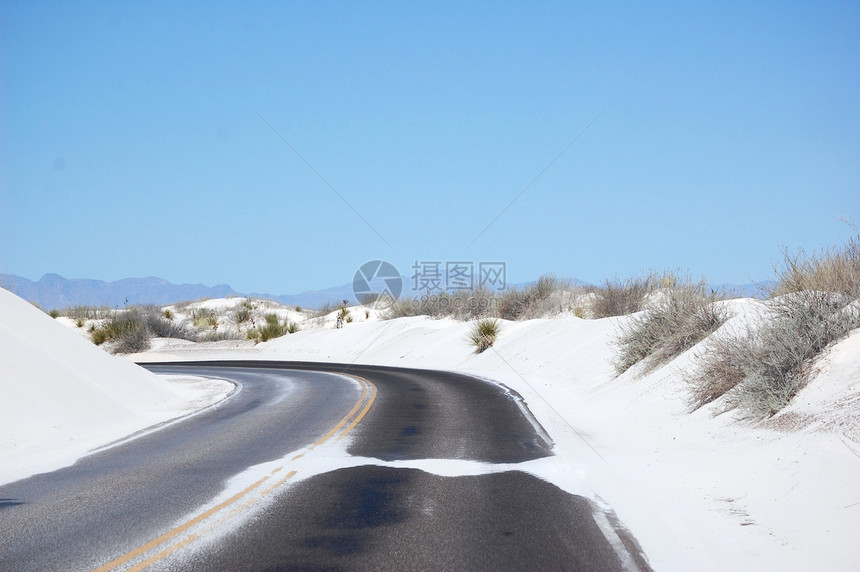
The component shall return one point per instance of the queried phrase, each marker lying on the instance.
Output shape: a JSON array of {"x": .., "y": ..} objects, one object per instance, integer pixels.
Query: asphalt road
[{"x": 159, "y": 501}]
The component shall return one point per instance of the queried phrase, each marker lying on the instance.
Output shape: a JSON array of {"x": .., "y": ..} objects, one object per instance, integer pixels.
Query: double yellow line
[{"x": 341, "y": 430}]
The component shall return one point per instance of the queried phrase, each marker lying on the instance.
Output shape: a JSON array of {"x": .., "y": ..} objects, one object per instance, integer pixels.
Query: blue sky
[{"x": 132, "y": 144}]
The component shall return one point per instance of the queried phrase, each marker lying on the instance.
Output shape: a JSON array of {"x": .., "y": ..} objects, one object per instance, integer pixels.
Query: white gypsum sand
[
  {"x": 700, "y": 492},
  {"x": 62, "y": 396}
]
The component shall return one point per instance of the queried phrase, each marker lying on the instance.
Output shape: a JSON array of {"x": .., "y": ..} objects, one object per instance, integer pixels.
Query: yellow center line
[
  {"x": 343, "y": 421},
  {"x": 364, "y": 412},
  {"x": 163, "y": 554},
  {"x": 179, "y": 529},
  {"x": 367, "y": 386}
]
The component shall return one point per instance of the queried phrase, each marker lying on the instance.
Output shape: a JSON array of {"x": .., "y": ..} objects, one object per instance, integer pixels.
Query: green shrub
[
  {"x": 99, "y": 335},
  {"x": 203, "y": 317},
  {"x": 54, "y": 313},
  {"x": 273, "y": 328},
  {"x": 483, "y": 334}
]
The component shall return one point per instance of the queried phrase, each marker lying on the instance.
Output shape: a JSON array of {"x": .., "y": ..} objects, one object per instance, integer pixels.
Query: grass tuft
[{"x": 484, "y": 333}]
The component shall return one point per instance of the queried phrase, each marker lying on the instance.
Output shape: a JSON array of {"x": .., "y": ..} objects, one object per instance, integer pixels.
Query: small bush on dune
[
  {"x": 678, "y": 318},
  {"x": 816, "y": 303},
  {"x": 616, "y": 298},
  {"x": 130, "y": 330},
  {"x": 133, "y": 338},
  {"x": 535, "y": 301},
  {"x": 833, "y": 270},
  {"x": 203, "y": 317},
  {"x": 273, "y": 328},
  {"x": 324, "y": 310},
  {"x": 84, "y": 313},
  {"x": 483, "y": 334},
  {"x": 242, "y": 314},
  {"x": 159, "y": 326},
  {"x": 459, "y": 305}
]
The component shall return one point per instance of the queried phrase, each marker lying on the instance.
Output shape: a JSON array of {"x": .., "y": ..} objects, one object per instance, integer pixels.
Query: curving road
[{"x": 305, "y": 498}]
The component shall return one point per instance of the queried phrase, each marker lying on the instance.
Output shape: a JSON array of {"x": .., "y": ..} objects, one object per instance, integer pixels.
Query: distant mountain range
[{"x": 52, "y": 291}]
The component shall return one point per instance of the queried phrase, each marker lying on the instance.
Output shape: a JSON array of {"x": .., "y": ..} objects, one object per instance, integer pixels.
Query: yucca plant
[{"x": 483, "y": 334}]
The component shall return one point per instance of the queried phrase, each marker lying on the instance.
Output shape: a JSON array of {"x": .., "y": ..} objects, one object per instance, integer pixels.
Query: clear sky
[{"x": 134, "y": 138}]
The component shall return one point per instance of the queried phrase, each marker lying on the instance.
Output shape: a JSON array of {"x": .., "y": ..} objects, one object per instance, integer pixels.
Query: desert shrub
[
  {"x": 678, "y": 318},
  {"x": 483, "y": 334},
  {"x": 54, "y": 313},
  {"x": 459, "y": 304},
  {"x": 134, "y": 338},
  {"x": 203, "y": 317},
  {"x": 220, "y": 335},
  {"x": 324, "y": 310},
  {"x": 98, "y": 335},
  {"x": 126, "y": 330},
  {"x": 299, "y": 309},
  {"x": 159, "y": 326},
  {"x": 130, "y": 330},
  {"x": 759, "y": 370},
  {"x": 617, "y": 298},
  {"x": 167, "y": 313},
  {"x": 535, "y": 301},
  {"x": 273, "y": 328},
  {"x": 84, "y": 313},
  {"x": 242, "y": 314},
  {"x": 832, "y": 270}
]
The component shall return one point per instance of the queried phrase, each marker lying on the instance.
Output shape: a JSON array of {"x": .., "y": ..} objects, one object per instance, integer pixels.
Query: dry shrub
[
  {"x": 676, "y": 319},
  {"x": 460, "y": 305},
  {"x": 833, "y": 270},
  {"x": 543, "y": 298},
  {"x": 816, "y": 303},
  {"x": 617, "y": 298}
]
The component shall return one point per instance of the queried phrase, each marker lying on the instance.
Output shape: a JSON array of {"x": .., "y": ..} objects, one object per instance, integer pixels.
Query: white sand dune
[
  {"x": 63, "y": 396},
  {"x": 699, "y": 491}
]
